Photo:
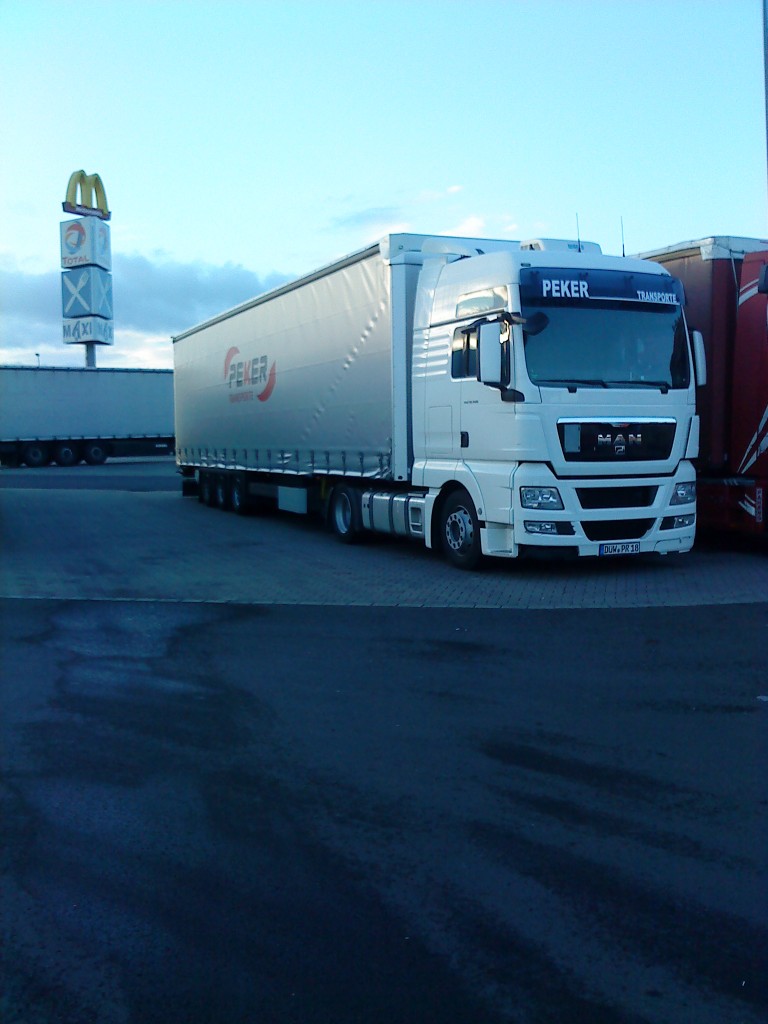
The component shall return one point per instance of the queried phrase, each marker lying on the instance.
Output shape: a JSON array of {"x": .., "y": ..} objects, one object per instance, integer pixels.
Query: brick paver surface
[{"x": 122, "y": 544}]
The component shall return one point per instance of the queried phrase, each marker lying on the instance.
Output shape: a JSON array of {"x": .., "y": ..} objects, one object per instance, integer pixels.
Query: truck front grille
[
  {"x": 604, "y": 441},
  {"x": 617, "y": 497},
  {"x": 612, "y": 529}
]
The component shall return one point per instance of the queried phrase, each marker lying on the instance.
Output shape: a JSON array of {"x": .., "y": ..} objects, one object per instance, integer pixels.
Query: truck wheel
[
  {"x": 66, "y": 454},
  {"x": 205, "y": 491},
  {"x": 36, "y": 455},
  {"x": 344, "y": 514},
  {"x": 221, "y": 491},
  {"x": 238, "y": 495},
  {"x": 460, "y": 531},
  {"x": 95, "y": 453}
]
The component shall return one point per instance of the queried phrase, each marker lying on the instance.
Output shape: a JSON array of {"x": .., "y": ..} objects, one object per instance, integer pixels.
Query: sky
[{"x": 242, "y": 144}]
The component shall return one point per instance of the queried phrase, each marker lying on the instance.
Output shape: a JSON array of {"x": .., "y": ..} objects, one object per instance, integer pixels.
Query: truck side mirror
[
  {"x": 489, "y": 349},
  {"x": 762, "y": 280},
  {"x": 699, "y": 358}
]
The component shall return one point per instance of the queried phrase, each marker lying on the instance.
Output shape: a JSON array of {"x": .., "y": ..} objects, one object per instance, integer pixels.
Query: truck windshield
[{"x": 606, "y": 344}]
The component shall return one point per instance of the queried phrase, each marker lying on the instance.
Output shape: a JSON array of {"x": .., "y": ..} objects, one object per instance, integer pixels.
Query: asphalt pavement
[{"x": 391, "y": 801}]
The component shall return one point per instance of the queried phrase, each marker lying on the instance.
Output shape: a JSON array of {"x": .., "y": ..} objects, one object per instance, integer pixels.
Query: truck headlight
[
  {"x": 537, "y": 526},
  {"x": 683, "y": 522},
  {"x": 543, "y": 498},
  {"x": 684, "y": 494}
]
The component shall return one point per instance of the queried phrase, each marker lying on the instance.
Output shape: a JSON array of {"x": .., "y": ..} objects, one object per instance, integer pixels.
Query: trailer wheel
[
  {"x": 95, "y": 453},
  {"x": 221, "y": 491},
  {"x": 35, "y": 455},
  {"x": 460, "y": 530},
  {"x": 238, "y": 495},
  {"x": 66, "y": 454},
  {"x": 205, "y": 492},
  {"x": 344, "y": 514}
]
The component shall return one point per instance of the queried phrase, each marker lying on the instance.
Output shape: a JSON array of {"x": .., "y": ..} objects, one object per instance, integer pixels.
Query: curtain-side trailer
[
  {"x": 67, "y": 415},
  {"x": 486, "y": 397},
  {"x": 726, "y": 286}
]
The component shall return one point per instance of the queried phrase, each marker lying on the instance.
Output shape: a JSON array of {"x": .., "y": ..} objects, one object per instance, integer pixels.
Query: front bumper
[{"x": 606, "y": 515}]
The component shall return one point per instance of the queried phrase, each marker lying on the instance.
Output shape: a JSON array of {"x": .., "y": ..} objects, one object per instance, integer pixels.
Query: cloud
[
  {"x": 373, "y": 215},
  {"x": 470, "y": 227},
  {"x": 380, "y": 220},
  {"x": 131, "y": 349},
  {"x": 134, "y": 348},
  {"x": 167, "y": 297},
  {"x": 152, "y": 301}
]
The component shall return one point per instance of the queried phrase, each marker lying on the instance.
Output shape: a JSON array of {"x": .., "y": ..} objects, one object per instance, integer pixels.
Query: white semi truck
[
  {"x": 485, "y": 397},
  {"x": 68, "y": 415}
]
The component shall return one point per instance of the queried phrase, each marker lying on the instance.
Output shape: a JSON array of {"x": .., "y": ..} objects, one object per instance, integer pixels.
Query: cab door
[
  {"x": 476, "y": 417},
  {"x": 442, "y": 406}
]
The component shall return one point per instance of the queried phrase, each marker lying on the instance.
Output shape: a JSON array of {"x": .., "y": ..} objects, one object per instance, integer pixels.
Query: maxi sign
[
  {"x": 89, "y": 330},
  {"x": 86, "y": 261}
]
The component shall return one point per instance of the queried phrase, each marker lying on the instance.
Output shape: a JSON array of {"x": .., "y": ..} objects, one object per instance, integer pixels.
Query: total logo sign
[
  {"x": 242, "y": 374},
  {"x": 85, "y": 241},
  {"x": 74, "y": 237}
]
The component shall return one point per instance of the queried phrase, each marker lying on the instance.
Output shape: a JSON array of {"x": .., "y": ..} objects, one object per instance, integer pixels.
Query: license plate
[{"x": 624, "y": 548}]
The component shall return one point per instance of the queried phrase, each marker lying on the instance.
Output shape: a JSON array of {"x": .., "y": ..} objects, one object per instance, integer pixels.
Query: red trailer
[{"x": 726, "y": 281}]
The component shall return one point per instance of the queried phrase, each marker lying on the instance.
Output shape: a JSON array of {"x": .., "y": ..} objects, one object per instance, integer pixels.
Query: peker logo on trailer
[{"x": 247, "y": 373}]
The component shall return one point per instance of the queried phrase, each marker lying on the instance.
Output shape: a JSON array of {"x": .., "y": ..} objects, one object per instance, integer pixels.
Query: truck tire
[
  {"x": 66, "y": 454},
  {"x": 205, "y": 491},
  {"x": 221, "y": 491},
  {"x": 35, "y": 454},
  {"x": 95, "y": 453},
  {"x": 238, "y": 495},
  {"x": 459, "y": 530},
  {"x": 344, "y": 514}
]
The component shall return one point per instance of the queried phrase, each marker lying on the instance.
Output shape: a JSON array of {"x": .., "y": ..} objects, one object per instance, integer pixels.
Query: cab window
[{"x": 464, "y": 353}]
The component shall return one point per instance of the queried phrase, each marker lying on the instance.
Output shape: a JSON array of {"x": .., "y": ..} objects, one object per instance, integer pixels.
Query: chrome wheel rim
[{"x": 459, "y": 530}]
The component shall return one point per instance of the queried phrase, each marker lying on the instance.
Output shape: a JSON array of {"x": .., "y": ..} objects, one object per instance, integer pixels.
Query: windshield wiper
[
  {"x": 597, "y": 382},
  {"x": 594, "y": 382},
  {"x": 662, "y": 385}
]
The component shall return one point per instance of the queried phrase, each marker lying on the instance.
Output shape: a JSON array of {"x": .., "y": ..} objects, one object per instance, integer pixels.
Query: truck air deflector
[{"x": 564, "y": 285}]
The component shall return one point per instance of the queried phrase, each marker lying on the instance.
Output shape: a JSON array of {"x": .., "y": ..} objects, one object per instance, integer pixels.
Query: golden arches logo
[{"x": 90, "y": 187}]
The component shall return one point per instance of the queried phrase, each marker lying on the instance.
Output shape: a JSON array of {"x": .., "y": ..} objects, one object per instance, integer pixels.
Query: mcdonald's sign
[{"x": 90, "y": 188}]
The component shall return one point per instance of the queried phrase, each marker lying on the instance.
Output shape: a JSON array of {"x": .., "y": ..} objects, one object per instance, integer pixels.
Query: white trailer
[
  {"x": 487, "y": 397},
  {"x": 67, "y": 415}
]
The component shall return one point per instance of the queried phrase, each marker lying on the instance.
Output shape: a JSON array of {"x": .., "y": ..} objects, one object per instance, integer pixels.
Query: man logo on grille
[{"x": 619, "y": 441}]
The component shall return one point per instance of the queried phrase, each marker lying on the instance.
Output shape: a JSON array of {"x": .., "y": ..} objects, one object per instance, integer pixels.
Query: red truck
[{"x": 726, "y": 288}]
